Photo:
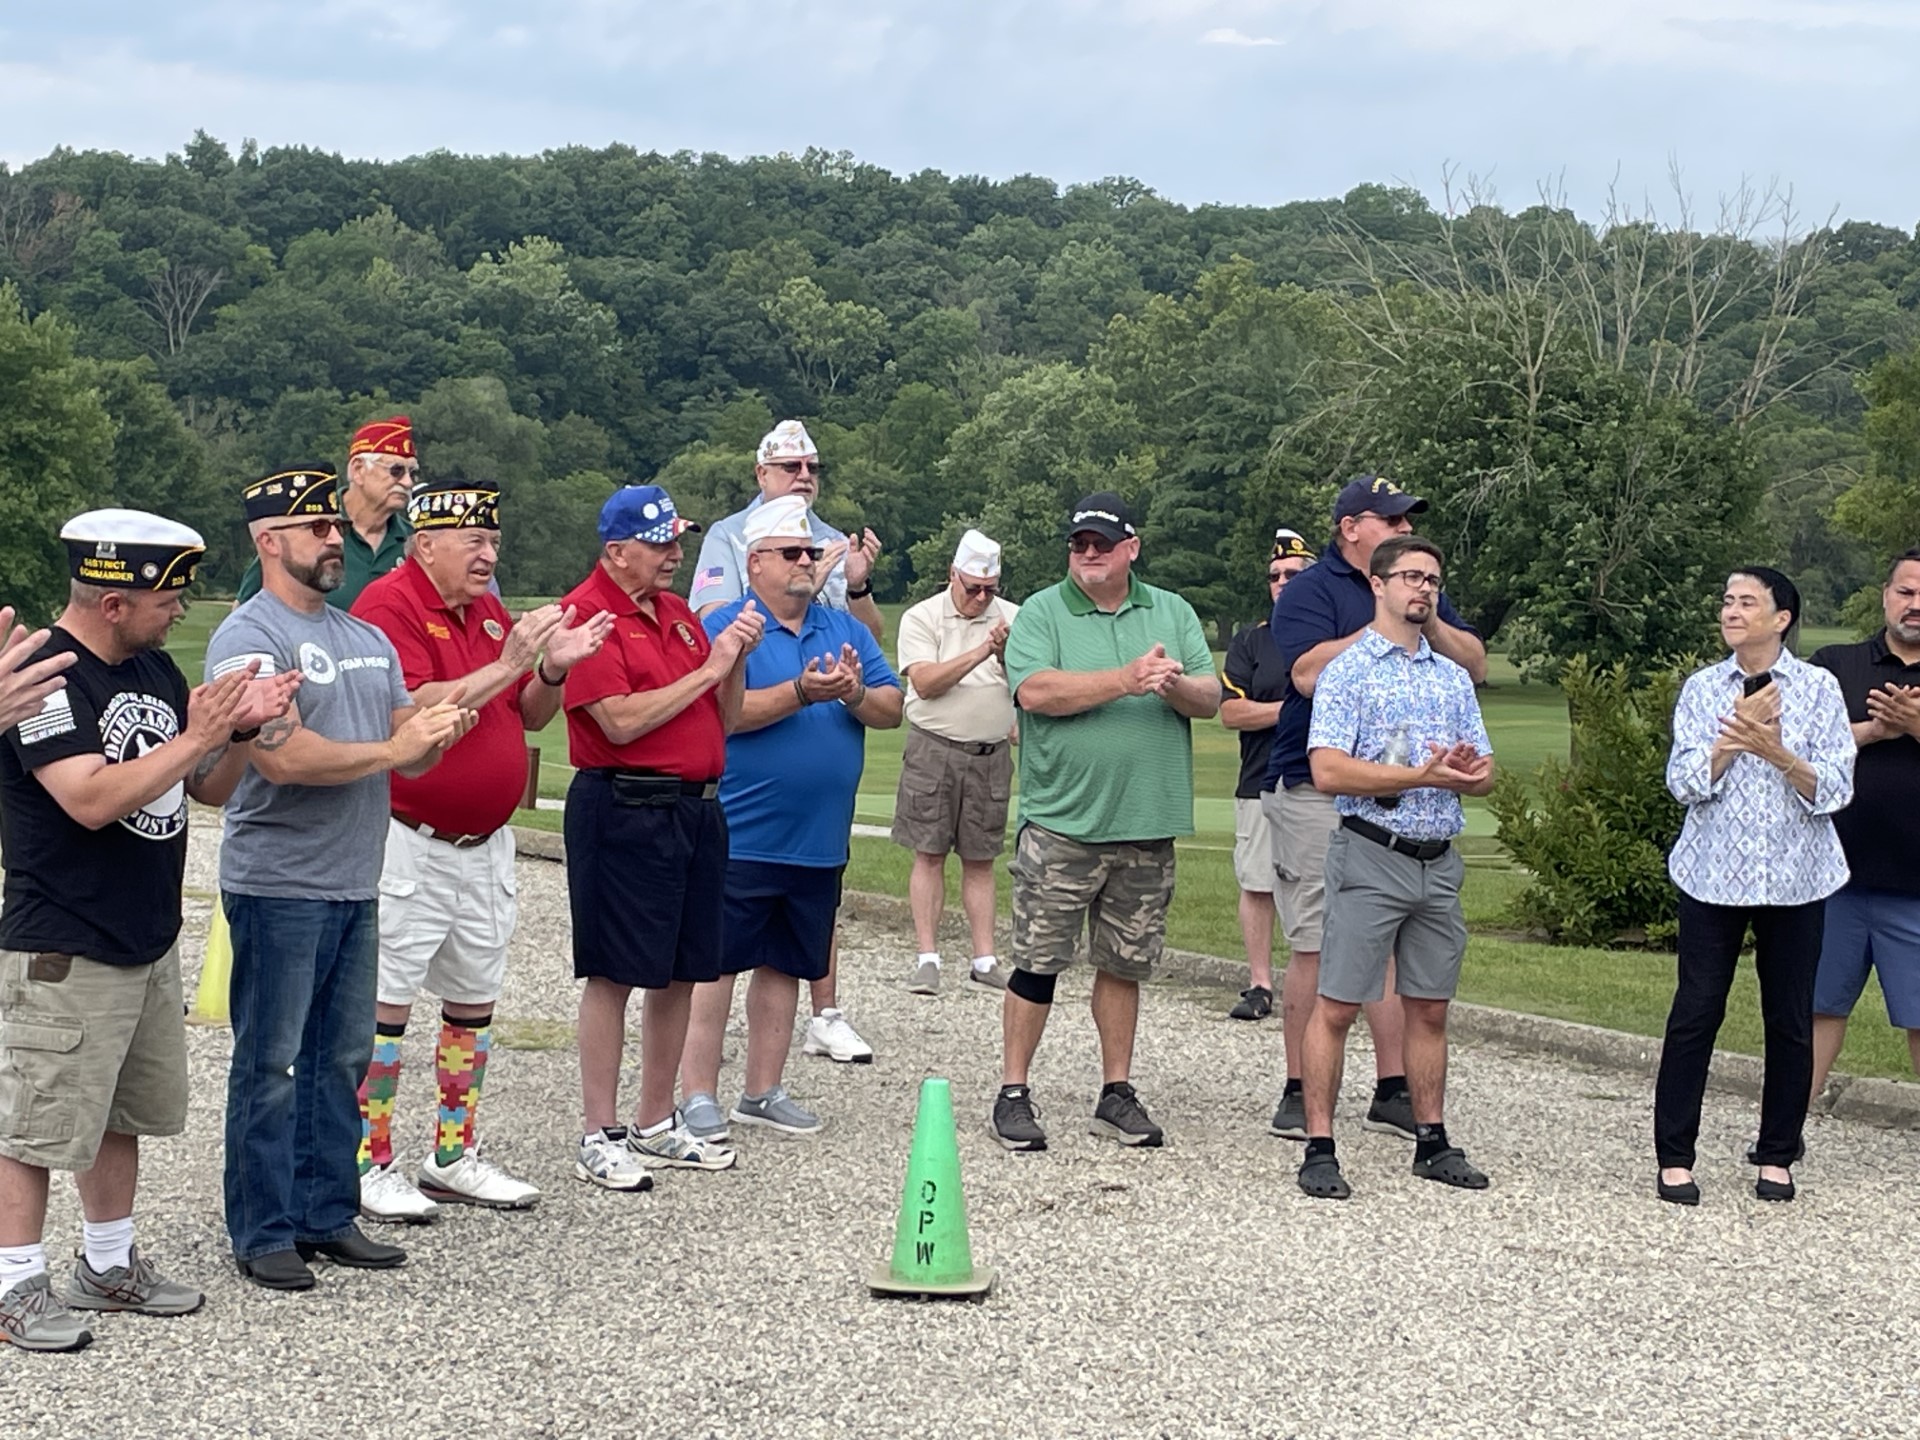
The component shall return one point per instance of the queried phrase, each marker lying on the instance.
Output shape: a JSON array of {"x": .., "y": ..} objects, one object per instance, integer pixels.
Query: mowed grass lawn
[{"x": 1620, "y": 989}]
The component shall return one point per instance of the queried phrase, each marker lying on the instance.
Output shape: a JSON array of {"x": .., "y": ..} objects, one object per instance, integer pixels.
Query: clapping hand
[
  {"x": 22, "y": 686},
  {"x": 529, "y": 635},
  {"x": 741, "y": 635},
  {"x": 1455, "y": 767},
  {"x": 266, "y": 698},
  {"x": 431, "y": 729},
  {"x": 1154, "y": 673},
  {"x": 1895, "y": 709},
  {"x": 213, "y": 709},
  {"x": 567, "y": 644},
  {"x": 860, "y": 558}
]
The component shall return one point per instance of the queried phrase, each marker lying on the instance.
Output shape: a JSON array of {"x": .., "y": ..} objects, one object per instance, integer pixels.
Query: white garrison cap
[
  {"x": 131, "y": 550},
  {"x": 786, "y": 441},
  {"x": 785, "y": 519},
  {"x": 978, "y": 556}
]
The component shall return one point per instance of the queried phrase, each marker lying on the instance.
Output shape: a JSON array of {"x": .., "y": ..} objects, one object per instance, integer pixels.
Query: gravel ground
[{"x": 1186, "y": 1292}]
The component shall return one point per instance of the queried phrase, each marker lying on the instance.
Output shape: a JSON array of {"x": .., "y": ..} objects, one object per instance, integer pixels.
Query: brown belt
[{"x": 458, "y": 842}]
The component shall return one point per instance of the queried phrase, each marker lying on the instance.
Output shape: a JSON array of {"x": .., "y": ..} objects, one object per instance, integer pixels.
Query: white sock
[
  {"x": 21, "y": 1262},
  {"x": 982, "y": 964},
  {"x": 109, "y": 1244},
  {"x": 933, "y": 955}
]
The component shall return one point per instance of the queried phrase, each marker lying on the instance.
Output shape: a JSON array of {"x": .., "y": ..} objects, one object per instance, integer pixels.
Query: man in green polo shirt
[
  {"x": 1108, "y": 674},
  {"x": 381, "y": 471}
]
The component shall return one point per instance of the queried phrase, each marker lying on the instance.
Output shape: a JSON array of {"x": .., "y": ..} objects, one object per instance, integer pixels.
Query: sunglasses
[
  {"x": 974, "y": 592},
  {"x": 795, "y": 467},
  {"x": 319, "y": 529},
  {"x": 400, "y": 471},
  {"x": 792, "y": 553},
  {"x": 1098, "y": 544}
]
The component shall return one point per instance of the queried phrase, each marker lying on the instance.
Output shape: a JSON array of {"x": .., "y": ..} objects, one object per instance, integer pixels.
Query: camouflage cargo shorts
[{"x": 1120, "y": 891}]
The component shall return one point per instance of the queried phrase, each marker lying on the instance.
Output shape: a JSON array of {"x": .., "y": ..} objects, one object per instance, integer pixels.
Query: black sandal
[
  {"x": 1450, "y": 1167},
  {"x": 1320, "y": 1177},
  {"x": 1256, "y": 1003}
]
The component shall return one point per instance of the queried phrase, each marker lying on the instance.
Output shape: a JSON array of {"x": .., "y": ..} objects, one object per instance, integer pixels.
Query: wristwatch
[
  {"x": 241, "y": 737},
  {"x": 860, "y": 594}
]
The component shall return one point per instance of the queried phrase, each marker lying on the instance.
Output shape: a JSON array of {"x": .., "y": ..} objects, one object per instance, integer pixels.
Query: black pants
[{"x": 1786, "y": 943}]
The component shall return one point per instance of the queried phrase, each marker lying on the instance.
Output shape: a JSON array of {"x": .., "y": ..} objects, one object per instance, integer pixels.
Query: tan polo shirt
[{"x": 978, "y": 709}]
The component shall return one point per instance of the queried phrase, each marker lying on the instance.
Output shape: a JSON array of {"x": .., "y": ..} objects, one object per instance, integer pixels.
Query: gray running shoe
[
  {"x": 1015, "y": 1122},
  {"x": 1121, "y": 1115},
  {"x": 678, "y": 1148},
  {"x": 1290, "y": 1116},
  {"x": 776, "y": 1110},
  {"x": 703, "y": 1117},
  {"x": 1392, "y": 1116},
  {"x": 135, "y": 1286},
  {"x": 34, "y": 1318},
  {"x": 926, "y": 979}
]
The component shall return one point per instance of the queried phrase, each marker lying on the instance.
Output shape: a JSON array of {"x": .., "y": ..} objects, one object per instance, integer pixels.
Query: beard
[{"x": 325, "y": 574}]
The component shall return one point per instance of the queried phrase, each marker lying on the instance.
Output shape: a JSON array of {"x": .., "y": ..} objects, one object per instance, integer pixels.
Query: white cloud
[{"x": 1227, "y": 35}]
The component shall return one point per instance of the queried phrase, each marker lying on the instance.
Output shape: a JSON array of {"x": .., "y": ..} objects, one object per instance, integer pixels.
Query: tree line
[{"x": 1608, "y": 412}]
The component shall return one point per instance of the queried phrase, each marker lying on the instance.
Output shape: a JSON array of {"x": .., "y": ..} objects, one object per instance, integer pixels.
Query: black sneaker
[
  {"x": 1121, "y": 1115},
  {"x": 1015, "y": 1125},
  {"x": 1392, "y": 1116},
  {"x": 1290, "y": 1116},
  {"x": 1256, "y": 1003}
]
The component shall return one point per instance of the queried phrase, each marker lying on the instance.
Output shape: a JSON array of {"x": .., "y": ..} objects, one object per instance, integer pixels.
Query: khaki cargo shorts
[
  {"x": 1120, "y": 891},
  {"x": 952, "y": 797},
  {"x": 86, "y": 1048},
  {"x": 1303, "y": 821}
]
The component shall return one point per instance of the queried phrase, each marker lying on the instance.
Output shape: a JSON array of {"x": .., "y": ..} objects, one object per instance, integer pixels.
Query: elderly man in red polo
[
  {"x": 381, "y": 471},
  {"x": 447, "y": 905}
]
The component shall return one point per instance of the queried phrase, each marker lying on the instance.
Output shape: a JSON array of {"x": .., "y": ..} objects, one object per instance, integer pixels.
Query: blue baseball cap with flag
[{"x": 642, "y": 512}]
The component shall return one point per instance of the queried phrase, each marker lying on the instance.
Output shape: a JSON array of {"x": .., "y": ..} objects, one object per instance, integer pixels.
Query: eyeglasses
[
  {"x": 794, "y": 467},
  {"x": 974, "y": 592},
  {"x": 1414, "y": 579},
  {"x": 792, "y": 553},
  {"x": 319, "y": 529},
  {"x": 1098, "y": 544}
]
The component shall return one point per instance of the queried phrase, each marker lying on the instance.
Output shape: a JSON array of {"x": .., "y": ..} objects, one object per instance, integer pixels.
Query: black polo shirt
[
  {"x": 1254, "y": 672},
  {"x": 1886, "y": 774}
]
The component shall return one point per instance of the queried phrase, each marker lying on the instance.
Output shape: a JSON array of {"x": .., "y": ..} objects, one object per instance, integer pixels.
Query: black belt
[
  {"x": 458, "y": 842},
  {"x": 639, "y": 784},
  {"x": 971, "y": 747},
  {"x": 1418, "y": 849}
]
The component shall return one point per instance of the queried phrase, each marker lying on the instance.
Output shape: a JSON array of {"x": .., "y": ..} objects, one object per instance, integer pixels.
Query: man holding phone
[{"x": 1393, "y": 872}]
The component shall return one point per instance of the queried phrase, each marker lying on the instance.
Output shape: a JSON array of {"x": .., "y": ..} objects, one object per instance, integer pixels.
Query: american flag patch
[
  {"x": 55, "y": 718},
  {"x": 240, "y": 662},
  {"x": 712, "y": 575}
]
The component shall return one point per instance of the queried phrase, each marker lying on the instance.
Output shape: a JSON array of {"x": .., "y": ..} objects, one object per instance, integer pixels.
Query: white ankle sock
[
  {"x": 109, "y": 1244},
  {"x": 933, "y": 955},
  {"x": 983, "y": 963},
  {"x": 21, "y": 1262}
]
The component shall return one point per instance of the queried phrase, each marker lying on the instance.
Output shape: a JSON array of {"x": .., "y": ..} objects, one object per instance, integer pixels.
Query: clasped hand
[
  {"x": 1154, "y": 673},
  {"x": 833, "y": 677},
  {"x": 1457, "y": 767}
]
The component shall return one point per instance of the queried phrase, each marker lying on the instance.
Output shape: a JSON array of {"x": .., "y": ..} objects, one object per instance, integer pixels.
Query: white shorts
[
  {"x": 445, "y": 917},
  {"x": 1252, "y": 846}
]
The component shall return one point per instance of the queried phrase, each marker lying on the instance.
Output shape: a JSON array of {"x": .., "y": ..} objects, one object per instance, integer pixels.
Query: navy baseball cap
[
  {"x": 1377, "y": 495},
  {"x": 642, "y": 512}
]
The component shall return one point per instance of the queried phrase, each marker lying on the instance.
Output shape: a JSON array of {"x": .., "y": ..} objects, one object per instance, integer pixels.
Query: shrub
[{"x": 1594, "y": 830}]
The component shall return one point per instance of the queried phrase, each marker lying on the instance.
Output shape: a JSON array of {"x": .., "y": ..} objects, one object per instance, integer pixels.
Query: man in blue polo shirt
[
  {"x": 1316, "y": 617},
  {"x": 815, "y": 684}
]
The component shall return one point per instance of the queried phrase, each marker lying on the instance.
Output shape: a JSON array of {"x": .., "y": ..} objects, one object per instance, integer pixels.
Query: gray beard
[{"x": 325, "y": 576}]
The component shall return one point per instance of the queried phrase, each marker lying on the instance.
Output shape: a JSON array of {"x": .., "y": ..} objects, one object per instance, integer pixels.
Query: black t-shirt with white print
[{"x": 111, "y": 894}]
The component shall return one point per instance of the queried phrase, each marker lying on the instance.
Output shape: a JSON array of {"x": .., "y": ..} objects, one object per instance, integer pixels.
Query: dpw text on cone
[{"x": 931, "y": 1252}]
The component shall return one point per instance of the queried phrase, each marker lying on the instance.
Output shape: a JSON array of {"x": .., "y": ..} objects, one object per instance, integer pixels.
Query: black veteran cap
[
  {"x": 131, "y": 550},
  {"x": 300, "y": 493},
  {"x": 450, "y": 503}
]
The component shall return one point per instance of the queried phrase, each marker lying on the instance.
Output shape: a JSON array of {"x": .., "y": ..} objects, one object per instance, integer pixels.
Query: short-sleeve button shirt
[
  {"x": 978, "y": 709},
  {"x": 1375, "y": 687},
  {"x": 478, "y": 784},
  {"x": 642, "y": 653}
]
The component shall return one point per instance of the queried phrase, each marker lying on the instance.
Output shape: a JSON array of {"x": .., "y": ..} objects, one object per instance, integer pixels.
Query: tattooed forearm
[
  {"x": 209, "y": 762},
  {"x": 276, "y": 733}
]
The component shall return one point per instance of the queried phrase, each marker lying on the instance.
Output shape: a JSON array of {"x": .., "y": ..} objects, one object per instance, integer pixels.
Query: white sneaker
[
  {"x": 829, "y": 1034},
  {"x": 387, "y": 1194},
  {"x": 471, "y": 1180},
  {"x": 679, "y": 1148},
  {"x": 606, "y": 1161}
]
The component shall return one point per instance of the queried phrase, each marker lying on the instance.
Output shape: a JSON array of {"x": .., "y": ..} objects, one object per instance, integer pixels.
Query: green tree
[{"x": 830, "y": 341}]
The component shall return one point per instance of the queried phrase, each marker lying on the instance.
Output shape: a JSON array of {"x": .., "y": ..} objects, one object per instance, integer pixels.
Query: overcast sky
[{"x": 1245, "y": 101}]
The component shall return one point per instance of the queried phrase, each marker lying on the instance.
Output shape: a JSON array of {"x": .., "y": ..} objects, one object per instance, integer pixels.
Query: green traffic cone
[{"x": 931, "y": 1252}]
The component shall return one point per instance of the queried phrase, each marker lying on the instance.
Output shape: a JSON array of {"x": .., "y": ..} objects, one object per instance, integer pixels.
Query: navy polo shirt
[
  {"x": 1326, "y": 601},
  {"x": 789, "y": 787}
]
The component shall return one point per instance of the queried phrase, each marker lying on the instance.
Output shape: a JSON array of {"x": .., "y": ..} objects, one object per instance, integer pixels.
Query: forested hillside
[{"x": 1608, "y": 408}]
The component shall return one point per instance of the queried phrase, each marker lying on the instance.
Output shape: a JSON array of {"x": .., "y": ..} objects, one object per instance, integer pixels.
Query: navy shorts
[
  {"x": 781, "y": 916},
  {"x": 645, "y": 885},
  {"x": 1870, "y": 930}
]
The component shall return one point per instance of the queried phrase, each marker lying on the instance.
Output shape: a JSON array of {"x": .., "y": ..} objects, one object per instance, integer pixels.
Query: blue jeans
[{"x": 304, "y": 973}]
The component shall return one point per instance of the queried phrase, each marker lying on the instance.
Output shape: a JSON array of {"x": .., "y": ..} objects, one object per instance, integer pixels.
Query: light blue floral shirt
[
  {"x": 1371, "y": 689},
  {"x": 1750, "y": 837}
]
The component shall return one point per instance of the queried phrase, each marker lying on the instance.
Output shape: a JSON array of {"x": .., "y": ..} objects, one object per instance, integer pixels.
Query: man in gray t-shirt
[{"x": 299, "y": 869}]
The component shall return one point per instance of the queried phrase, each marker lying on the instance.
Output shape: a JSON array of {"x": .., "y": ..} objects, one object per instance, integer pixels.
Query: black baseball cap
[
  {"x": 1377, "y": 495},
  {"x": 1105, "y": 514}
]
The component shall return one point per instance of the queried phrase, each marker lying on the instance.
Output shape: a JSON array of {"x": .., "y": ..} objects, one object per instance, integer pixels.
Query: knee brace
[{"x": 1036, "y": 989}]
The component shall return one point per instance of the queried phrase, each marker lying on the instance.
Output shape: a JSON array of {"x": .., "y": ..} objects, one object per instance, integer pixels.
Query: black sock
[
  {"x": 1388, "y": 1086},
  {"x": 1320, "y": 1145},
  {"x": 1428, "y": 1141},
  {"x": 1114, "y": 1087},
  {"x": 1293, "y": 1088},
  {"x": 387, "y": 1030}
]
